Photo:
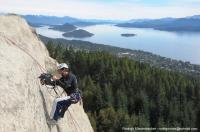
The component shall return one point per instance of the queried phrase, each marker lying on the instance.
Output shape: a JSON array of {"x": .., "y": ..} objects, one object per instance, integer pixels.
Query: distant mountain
[
  {"x": 103, "y": 21},
  {"x": 168, "y": 24},
  {"x": 49, "y": 20},
  {"x": 78, "y": 34},
  {"x": 137, "y": 20},
  {"x": 194, "y": 17},
  {"x": 84, "y": 23},
  {"x": 65, "y": 27},
  {"x": 54, "y": 20}
]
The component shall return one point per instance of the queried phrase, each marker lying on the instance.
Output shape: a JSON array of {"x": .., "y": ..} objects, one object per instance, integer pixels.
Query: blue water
[{"x": 181, "y": 46}]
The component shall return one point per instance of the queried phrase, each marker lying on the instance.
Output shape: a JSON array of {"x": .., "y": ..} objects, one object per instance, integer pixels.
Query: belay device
[{"x": 48, "y": 82}]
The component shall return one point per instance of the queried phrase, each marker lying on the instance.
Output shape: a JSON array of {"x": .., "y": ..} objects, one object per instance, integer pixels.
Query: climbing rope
[
  {"x": 40, "y": 66},
  {"x": 42, "y": 69},
  {"x": 74, "y": 119},
  {"x": 13, "y": 43}
]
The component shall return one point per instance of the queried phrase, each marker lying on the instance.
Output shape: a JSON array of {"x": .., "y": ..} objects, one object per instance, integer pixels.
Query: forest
[{"x": 120, "y": 93}]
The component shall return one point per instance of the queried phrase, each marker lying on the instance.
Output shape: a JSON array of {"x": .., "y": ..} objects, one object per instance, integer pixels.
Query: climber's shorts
[{"x": 75, "y": 97}]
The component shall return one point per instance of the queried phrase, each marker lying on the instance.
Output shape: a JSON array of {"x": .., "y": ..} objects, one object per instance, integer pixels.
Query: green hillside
[{"x": 120, "y": 93}]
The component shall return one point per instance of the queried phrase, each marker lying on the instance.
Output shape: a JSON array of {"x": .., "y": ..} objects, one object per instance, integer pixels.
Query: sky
[{"x": 103, "y": 9}]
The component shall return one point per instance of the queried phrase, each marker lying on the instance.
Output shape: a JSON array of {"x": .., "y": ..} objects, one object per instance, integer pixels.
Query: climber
[{"x": 68, "y": 82}]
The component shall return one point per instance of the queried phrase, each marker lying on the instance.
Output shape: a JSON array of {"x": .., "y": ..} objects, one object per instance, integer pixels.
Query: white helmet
[{"x": 62, "y": 65}]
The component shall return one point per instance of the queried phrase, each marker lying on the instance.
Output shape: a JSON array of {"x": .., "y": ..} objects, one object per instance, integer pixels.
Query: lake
[{"x": 181, "y": 46}]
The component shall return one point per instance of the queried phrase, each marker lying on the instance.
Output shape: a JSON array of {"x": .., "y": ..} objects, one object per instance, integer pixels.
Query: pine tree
[{"x": 51, "y": 48}]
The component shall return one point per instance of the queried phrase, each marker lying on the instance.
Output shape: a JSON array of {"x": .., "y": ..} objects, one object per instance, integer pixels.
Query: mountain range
[
  {"x": 191, "y": 23},
  {"x": 54, "y": 20}
]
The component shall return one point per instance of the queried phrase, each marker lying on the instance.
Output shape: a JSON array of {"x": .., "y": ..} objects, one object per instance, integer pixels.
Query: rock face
[{"x": 25, "y": 104}]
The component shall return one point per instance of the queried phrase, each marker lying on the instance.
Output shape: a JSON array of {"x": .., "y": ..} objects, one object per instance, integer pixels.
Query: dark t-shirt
[{"x": 68, "y": 83}]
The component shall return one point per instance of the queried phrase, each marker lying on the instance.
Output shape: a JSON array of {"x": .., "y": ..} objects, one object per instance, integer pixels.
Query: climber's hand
[{"x": 55, "y": 78}]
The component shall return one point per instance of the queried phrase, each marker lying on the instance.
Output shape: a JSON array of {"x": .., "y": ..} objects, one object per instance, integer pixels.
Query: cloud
[{"x": 114, "y": 9}]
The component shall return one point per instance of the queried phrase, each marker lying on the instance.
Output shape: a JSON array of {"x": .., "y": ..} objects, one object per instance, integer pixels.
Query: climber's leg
[
  {"x": 57, "y": 106},
  {"x": 66, "y": 104},
  {"x": 75, "y": 97}
]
